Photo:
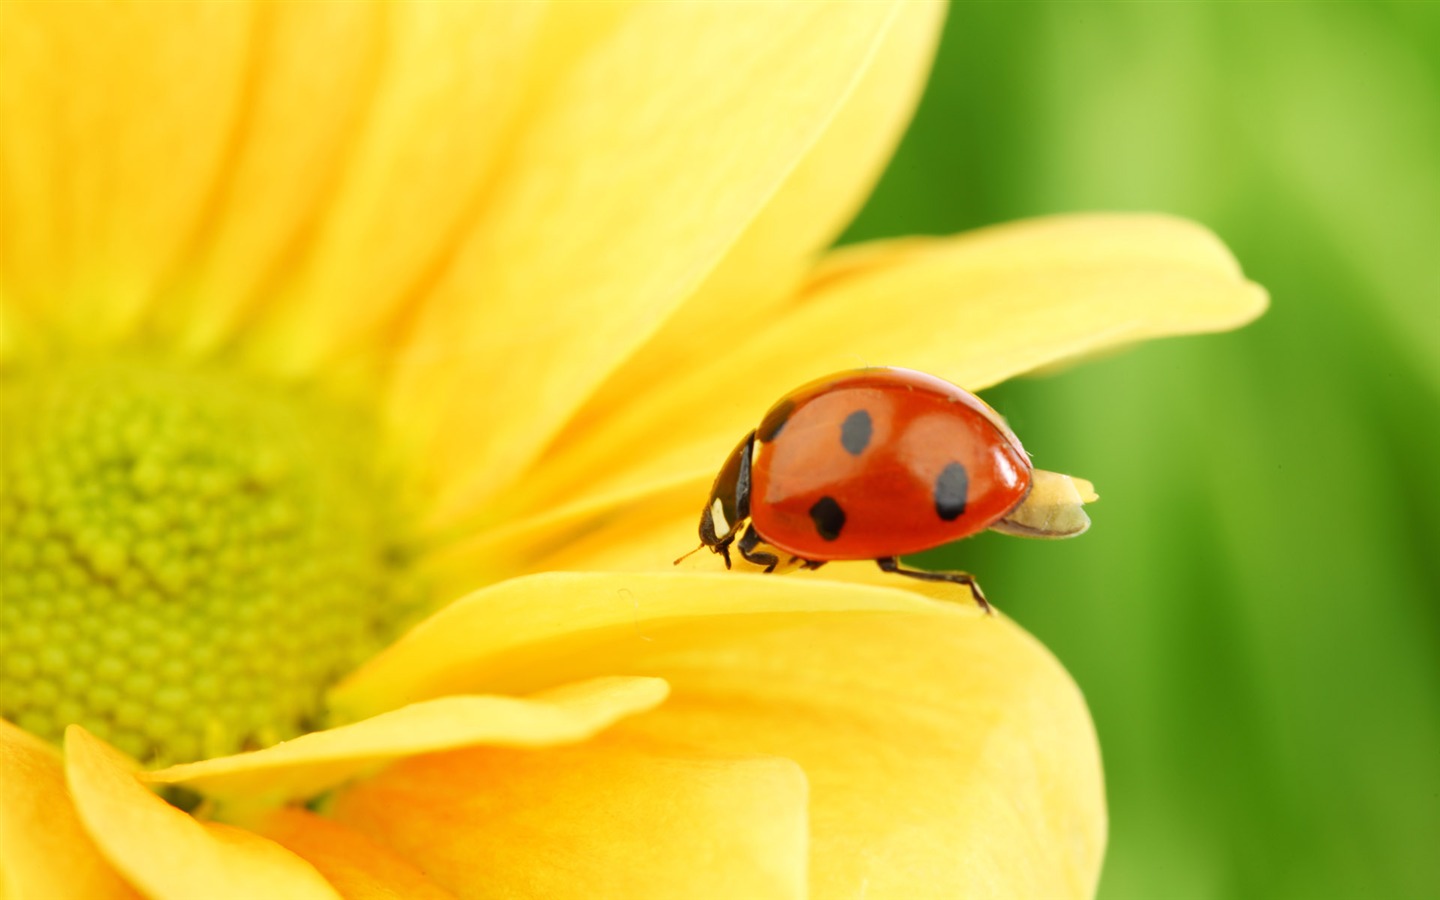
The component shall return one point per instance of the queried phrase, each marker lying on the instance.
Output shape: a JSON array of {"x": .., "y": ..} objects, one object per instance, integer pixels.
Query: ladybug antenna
[{"x": 688, "y": 555}]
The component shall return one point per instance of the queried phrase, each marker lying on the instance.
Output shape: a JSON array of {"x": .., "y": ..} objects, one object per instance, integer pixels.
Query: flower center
[{"x": 188, "y": 558}]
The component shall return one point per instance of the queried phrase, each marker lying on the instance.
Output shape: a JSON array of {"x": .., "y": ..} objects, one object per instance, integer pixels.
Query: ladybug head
[{"x": 728, "y": 506}]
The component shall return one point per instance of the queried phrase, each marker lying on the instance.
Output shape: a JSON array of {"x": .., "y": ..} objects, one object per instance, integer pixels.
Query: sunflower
[{"x": 364, "y": 366}]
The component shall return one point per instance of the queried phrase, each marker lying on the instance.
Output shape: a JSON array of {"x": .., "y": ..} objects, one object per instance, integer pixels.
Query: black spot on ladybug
[
  {"x": 828, "y": 517},
  {"x": 951, "y": 489},
  {"x": 775, "y": 420},
  {"x": 855, "y": 432}
]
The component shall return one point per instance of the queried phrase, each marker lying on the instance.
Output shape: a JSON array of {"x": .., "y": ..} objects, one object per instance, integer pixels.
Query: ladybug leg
[
  {"x": 748, "y": 542},
  {"x": 891, "y": 564},
  {"x": 723, "y": 548},
  {"x": 811, "y": 564}
]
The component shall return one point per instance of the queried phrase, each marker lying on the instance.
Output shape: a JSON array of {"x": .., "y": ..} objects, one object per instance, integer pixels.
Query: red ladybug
[{"x": 876, "y": 464}]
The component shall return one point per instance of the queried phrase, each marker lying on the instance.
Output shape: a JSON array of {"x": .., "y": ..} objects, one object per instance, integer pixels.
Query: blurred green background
[{"x": 1255, "y": 616}]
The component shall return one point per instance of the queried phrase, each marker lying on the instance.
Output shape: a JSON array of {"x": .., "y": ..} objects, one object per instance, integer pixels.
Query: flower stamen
[{"x": 188, "y": 557}]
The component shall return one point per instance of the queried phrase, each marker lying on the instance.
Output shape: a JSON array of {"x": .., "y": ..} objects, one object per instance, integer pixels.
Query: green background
[{"x": 1255, "y": 615}]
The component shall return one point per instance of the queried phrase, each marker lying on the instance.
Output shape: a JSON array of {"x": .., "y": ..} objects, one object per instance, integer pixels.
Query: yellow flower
[{"x": 317, "y": 316}]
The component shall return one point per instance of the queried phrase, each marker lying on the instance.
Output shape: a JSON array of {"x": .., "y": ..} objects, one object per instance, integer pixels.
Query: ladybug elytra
[{"x": 876, "y": 464}]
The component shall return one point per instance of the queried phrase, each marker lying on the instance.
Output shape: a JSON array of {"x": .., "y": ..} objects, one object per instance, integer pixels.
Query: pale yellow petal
[
  {"x": 44, "y": 850},
  {"x": 645, "y": 534},
  {"x": 357, "y": 867},
  {"x": 534, "y": 632},
  {"x": 18, "y": 337},
  {"x": 646, "y": 528},
  {"x": 1054, "y": 508},
  {"x": 975, "y": 309},
  {"x": 822, "y": 194},
  {"x": 292, "y": 146},
  {"x": 639, "y": 532},
  {"x": 605, "y": 819},
  {"x": 164, "y": 852},
  {"x": 311, "y": 763},
  {"x": 626, "y": 188},
  {"x": 115, "y": 122},
  {"x": 444, "y": 97},
  {"x": 947, "y": 757}
]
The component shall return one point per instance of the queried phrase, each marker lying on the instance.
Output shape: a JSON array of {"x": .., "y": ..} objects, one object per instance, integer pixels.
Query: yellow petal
[
  {"x": 289, "y": 156},
  {"x": 818, "y": 199},
  {"x": 644, "y": 533},
  {"x": 947, "y": 756},
  {"x": 115, "y": 120},
  {"x": 44, "y": 850},
  {"x": 974, "y": 309},
  {"x": 357, "y": 867},
  {"x": 18, "y": 338},
  {"x": 604, "y": 819},
  {"x": 166, "y": 853},
  {"x": 309, "y": 764},
  {"x": 444, "y": 92},
  {"x": 639, "y": 530},
  {"x": 644, "y": 165},
  {"x": 982, "y": 307},
  {"x": 533, "y": 632}
]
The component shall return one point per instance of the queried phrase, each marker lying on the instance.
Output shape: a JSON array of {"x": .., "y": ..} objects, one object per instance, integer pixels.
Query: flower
[{"x": 297, "y": 352}]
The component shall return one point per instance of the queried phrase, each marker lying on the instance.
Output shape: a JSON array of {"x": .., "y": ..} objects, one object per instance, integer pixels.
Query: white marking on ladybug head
[{"x": 717, "y": 518}]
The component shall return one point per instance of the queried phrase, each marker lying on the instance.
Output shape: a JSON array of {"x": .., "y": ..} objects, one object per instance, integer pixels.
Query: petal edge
[{"x": 165, "y": 852}]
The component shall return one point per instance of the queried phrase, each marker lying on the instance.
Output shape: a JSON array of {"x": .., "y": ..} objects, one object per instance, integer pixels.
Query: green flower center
[{"x": 188, "y": 558}]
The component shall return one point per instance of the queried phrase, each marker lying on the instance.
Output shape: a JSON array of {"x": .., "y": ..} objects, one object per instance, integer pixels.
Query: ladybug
[{"x": 878, "y": 463}]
